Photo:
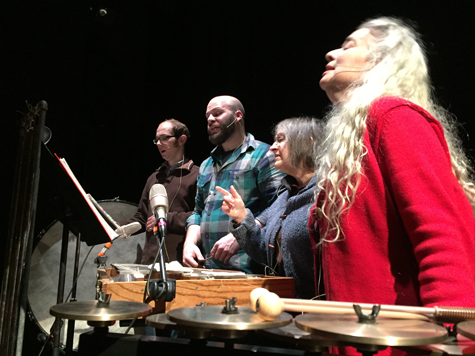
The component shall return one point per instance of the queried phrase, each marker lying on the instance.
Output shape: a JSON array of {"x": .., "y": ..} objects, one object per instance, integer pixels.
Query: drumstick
[{"x": 269, "y": 306}]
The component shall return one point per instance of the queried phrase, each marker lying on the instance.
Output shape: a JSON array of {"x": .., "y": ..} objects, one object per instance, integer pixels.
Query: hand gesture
[{"x": 233, "y": 205}]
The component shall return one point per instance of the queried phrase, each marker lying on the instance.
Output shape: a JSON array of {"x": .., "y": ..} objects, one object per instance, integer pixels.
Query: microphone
[
  {"x": 159, "y": 203},
  {"x": 347, "y": 69},
  {"x": 124, "y": 231},
  {"x": 231, "y": 124},
  {"x": 357, "y": 69}
]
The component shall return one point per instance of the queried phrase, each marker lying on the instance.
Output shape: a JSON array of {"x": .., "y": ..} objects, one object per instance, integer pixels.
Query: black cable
[
  {"x": 79, "y": 273},
  {"x": 147, "y": 289},
  {"x": 130, "y": 326}
]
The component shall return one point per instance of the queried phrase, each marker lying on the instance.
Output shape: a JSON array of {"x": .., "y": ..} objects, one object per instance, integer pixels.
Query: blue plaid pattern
[{"x": 251, "y": 171}]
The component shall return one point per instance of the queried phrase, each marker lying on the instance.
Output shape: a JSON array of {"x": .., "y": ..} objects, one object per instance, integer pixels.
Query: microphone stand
[{"x": 164, "y": 288}]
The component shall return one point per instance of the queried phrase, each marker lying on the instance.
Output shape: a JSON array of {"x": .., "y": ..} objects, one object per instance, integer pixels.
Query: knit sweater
[
  {"x": 410, "y": 234},
  {"x": 289, "y": 215}
]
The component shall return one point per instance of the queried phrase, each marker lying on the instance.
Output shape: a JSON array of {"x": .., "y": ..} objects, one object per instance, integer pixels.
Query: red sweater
[{"x": 410, "y": 235}]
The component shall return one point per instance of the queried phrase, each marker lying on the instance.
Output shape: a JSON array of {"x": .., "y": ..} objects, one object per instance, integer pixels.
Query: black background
[{"x": 109, "y": 80}]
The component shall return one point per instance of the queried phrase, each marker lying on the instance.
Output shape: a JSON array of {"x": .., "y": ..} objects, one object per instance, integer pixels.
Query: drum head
[{"x": 45, "y": 260}]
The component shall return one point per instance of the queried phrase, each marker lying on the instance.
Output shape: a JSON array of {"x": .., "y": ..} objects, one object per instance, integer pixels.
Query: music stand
[{"x": 71, "y": 206}]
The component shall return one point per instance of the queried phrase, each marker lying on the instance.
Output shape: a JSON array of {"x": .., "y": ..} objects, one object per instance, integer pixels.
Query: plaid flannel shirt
[{"x": 251, "y": 171}]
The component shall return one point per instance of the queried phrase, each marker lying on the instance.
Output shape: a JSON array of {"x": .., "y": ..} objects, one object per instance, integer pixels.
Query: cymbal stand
[
  {"x": 58, "y": 323},
  {"x": 100, "y": 262},
  {"x": 368, "y": 350},
  {"x": 71, "y": 322}
]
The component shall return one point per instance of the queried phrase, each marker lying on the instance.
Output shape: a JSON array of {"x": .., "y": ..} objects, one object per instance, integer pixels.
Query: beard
[{"x": 226, "y": 130}]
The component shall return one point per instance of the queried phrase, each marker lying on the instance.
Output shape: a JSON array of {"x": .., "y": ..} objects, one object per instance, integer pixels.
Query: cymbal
[
  {"x": 467, "y": 329},
  {"x": 453, "y": 346},
  {"x": 161, "y": 321},
  {"x": 211, "y": 317},
  {"x": 88, "y": 310},
  {"x": 302, "y": 339},
  {"x": 385, "y": 332}
]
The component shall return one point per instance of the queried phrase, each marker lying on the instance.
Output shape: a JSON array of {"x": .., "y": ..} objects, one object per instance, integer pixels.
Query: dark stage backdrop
[{"x": 109, "y": 80}]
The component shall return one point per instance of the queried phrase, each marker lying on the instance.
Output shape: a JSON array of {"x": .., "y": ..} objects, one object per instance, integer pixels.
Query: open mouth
[{"x": 213, "y": 129}]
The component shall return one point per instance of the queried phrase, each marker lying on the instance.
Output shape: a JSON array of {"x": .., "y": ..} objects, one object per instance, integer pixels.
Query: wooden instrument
[{"x": 191, "y": 291}]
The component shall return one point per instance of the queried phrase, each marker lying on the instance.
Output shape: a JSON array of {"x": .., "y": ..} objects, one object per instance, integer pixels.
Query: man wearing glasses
[{"x": 178, "y": 175}]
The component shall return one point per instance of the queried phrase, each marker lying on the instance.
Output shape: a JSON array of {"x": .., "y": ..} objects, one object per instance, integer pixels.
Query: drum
[{"x": 45, "y": 262}]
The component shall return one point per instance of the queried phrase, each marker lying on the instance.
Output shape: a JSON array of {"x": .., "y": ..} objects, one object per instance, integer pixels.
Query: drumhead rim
[{"x": 30, "y": 313}]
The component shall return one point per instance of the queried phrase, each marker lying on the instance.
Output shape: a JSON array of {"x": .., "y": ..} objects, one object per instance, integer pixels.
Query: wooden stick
[
  {"x": 445, "y": 314},
  {"x": 348, "y": 305},
  {"x": 441, "y": 314},
  {"x": 340, "y": 310}
]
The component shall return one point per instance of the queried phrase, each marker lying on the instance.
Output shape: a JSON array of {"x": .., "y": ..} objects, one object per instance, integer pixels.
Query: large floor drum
[{"x": 45, "y": 260}]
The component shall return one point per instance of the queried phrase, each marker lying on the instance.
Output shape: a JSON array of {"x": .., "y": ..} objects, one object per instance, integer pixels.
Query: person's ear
[
  {"x": 182, "y": 140},
  {"x": 238, "y": 115}
]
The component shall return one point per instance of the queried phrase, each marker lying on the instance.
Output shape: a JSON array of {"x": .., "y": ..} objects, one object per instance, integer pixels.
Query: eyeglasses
[{"x": 161, "y": 139}]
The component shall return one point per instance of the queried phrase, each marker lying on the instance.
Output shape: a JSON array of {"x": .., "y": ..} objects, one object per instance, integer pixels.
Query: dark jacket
[{"x": 180, "y": 184}]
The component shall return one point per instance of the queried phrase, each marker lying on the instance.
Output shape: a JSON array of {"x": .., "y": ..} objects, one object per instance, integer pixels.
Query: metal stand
[
  {"x": 71, "y": 323},
  {"x": 163, "y": 289},
  {"x": 19, "y": 243},
  {"x": 58, "y": 322},
  {"x": 70, "y": 206}
]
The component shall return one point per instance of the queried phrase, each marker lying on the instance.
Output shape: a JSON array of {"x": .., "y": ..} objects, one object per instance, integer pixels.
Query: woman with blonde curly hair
[{"x": 393, "y": 221}]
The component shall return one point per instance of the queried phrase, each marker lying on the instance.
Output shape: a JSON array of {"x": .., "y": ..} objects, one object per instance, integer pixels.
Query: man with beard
[
  {"x": 178, "y": 175},
  {"x": 238, "y": 160}
]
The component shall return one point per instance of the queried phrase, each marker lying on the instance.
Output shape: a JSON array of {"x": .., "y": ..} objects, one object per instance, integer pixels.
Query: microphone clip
[
  {"x": 160, "y": 228},
  {"x": 162, "y": 290}
]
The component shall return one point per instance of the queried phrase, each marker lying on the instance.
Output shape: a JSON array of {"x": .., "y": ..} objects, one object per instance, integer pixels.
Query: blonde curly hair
[{"x": 399, "y": 68}]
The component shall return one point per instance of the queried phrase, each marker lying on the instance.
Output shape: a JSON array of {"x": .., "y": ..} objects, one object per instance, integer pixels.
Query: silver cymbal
[
  {"x": 386, "y": 332},
  {"x": 211, "y": 317},
  {"x": 467, "y": 329},
  {"x": 161, "y": 321},
  {"x": 451, "y": 347},
  {"x": 88, "y": 310},
  {"x": 302, "y": 339}
]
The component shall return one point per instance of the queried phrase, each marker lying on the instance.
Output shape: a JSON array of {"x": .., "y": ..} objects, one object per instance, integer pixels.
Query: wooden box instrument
[{"x": 195, "y": 289}]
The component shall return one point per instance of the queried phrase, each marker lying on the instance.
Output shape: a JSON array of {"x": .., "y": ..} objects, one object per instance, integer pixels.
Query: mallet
[{"x": 268, "y": 305}]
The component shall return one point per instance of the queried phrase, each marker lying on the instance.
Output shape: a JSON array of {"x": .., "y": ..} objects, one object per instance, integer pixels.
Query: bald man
[{"x": 239, "y": 160}]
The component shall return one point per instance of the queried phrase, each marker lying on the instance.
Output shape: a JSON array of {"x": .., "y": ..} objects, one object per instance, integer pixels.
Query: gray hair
[{"x": 303, "y": 135}]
